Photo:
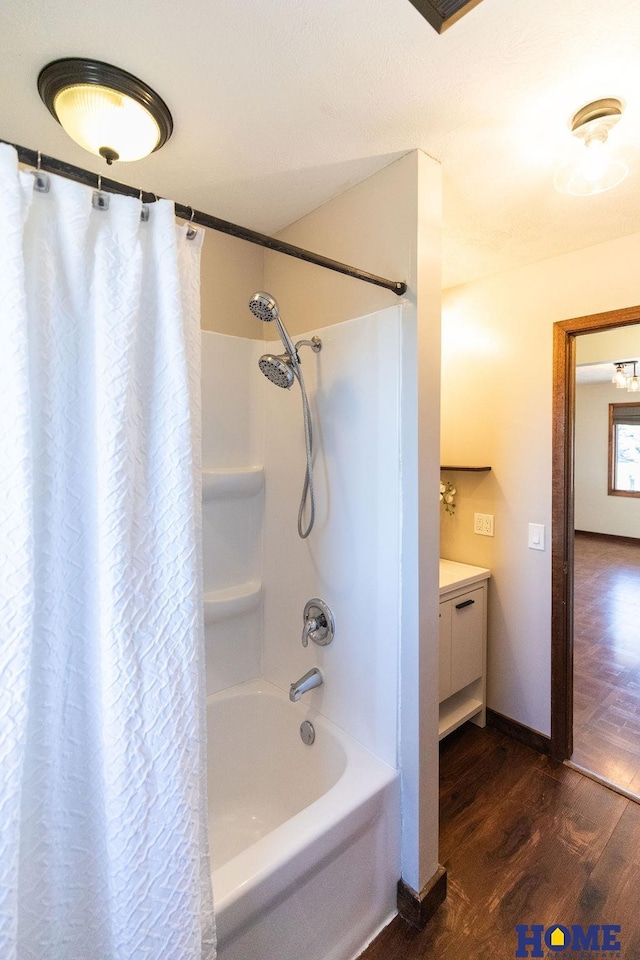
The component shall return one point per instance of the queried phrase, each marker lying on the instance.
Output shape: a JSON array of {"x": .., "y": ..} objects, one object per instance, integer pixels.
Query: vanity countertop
[{"x": 454, "y": 575}]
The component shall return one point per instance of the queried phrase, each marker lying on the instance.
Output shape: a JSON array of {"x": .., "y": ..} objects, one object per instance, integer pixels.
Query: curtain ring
[
  {"x": 100, "y": 200},
  {"x": 191, "y": 231},
  {"x": 41, "y": 180},
  {"x": 144, "y": 209}
]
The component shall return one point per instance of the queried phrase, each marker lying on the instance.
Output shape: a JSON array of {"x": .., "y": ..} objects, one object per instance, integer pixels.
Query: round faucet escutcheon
[{"x": 318, "y": 623}]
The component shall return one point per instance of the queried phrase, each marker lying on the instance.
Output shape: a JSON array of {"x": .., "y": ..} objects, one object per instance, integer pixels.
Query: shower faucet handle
[{"x": 318, "y": 623}]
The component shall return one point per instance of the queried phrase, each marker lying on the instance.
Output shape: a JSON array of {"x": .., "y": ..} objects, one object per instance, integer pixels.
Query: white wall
[
  {"x": 595, "y": 510},
  {"x": 420, "y": 567},
  {"x": 608, "y": 346},
  {"x": 496, "y": 409},
  {"x": 231, "y": 271},
  {"x": 371, "y": 226}
]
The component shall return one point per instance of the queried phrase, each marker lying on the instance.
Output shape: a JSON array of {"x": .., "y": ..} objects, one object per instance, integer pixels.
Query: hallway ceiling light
[
  {"x": 594, "y": 168},
  {"x": 106, "y": 110},
  {"x": 623, "y": 380},
  {"x": 619, "y": 376}
]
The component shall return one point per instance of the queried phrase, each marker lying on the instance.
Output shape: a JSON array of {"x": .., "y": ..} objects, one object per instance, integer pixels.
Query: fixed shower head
[
  {"x": 278, "y": 369},
  {"x": 265, "y": 307}
]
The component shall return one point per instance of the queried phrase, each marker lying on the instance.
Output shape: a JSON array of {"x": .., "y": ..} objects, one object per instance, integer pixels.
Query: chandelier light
[
  {"x": 594, "y": 168},
  {"x": 106, "y": 110},
  {"x": 624, "y": 380},
  {"x": 620, "y": 376}
]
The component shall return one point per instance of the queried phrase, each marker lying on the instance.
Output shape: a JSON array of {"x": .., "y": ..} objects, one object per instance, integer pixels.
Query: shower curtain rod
[{"x": 33, "y": 158}]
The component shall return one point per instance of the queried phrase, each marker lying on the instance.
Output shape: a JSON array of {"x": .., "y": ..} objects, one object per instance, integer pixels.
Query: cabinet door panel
[
  {"x": 445, "y": 651},
  {"x": 467, "y": 616}
]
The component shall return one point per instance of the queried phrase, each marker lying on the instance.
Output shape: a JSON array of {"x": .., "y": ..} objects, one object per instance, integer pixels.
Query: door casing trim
[{"x": 562, "y": 513}]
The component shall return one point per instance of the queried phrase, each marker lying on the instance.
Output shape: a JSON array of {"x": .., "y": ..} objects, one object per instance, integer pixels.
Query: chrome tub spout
[{"x": 310, "y": 680}]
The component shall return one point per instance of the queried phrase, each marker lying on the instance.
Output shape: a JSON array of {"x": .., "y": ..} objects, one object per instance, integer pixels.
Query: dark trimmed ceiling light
[
  {"x": 594, "y": 168},
  {"x": 106, "y": 110},
  {"x": 441, "y": 14}
]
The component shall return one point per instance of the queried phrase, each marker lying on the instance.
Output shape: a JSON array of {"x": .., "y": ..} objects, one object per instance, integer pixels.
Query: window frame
[{"x": 612, "y": 489}]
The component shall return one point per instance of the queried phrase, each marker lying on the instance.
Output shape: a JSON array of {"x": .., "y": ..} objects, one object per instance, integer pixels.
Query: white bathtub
[{"x": 304, "y": 839}]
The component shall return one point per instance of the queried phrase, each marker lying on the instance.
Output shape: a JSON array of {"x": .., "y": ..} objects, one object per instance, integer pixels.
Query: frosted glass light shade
[
  {"x": 582, "y": 183},
  {"x": 594, "y": 171},
  {"x": 593, "y": 168},
  {"x": 620, "y": 378},
  {"x": 98, "y": 118},
  {"x": 105, "y": 109}
]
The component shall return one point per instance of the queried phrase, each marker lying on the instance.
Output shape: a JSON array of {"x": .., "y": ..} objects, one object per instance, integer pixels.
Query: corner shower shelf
[
  {"x": 235, "y": 482},
  {"x": 231, "y": 602}
]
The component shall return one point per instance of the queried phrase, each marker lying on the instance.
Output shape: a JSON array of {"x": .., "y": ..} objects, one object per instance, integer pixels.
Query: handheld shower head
[
  {"x": 282, "y": 369},
  {"x": 278, "y": 369},
  {"x": 265, "y": 307}
]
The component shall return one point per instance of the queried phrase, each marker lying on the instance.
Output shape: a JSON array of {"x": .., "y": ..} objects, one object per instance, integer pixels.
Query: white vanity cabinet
[{"x": 463, "y": 645}]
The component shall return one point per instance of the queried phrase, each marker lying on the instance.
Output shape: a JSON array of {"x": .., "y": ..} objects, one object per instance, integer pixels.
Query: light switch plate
[{"x": 536, "y": 536}]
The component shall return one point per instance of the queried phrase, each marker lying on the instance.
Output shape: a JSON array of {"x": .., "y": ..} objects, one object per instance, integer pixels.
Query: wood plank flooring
[
  {"x": 606, "y": 724},
  {"x": 524, "y": 840}
]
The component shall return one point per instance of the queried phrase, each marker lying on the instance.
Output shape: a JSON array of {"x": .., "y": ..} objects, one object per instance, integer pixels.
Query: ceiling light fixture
[
  {"x": 624, "y": 380},
  {"x": 620, "y": 376},
  {"x": 593, "y": 169},
  {"x": 106, "y": 110}
]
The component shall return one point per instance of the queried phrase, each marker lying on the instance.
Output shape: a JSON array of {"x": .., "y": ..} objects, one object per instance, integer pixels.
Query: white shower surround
[
  {"x": 352, "y": 558},
  {"x": 232, "y": 437}
]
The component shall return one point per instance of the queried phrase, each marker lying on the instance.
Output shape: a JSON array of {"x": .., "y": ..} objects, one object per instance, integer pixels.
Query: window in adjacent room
[{"x": 624, "y": 449}]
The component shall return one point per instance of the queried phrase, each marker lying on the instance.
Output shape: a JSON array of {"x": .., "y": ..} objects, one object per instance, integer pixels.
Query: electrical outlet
[{"x": 483, "y": 524}]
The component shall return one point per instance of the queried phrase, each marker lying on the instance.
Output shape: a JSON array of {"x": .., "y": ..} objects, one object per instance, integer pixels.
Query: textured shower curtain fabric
[{"x": 103, "y": 851}]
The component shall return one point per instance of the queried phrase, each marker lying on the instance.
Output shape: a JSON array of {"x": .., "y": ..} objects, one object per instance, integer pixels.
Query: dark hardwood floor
[
  {"x": 525, "y": 840},
  {"x": 606, "y": 720}
]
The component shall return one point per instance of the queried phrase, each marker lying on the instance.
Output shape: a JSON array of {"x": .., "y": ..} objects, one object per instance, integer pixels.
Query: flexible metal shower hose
[{"x": 307, "y": 489}]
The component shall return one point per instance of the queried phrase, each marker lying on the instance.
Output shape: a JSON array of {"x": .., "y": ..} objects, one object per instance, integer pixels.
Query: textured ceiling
[{"x": 279, "y": 106}]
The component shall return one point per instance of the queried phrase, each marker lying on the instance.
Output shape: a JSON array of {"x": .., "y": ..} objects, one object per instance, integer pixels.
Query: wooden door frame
[{"x": 562, "y": 511}]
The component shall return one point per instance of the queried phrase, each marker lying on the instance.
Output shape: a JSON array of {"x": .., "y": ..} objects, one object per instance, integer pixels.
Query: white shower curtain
[{"x": 103, "y": 851}]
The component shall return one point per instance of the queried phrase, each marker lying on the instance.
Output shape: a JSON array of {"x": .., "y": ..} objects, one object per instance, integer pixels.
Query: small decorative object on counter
[{"x": 447, "y": 494}]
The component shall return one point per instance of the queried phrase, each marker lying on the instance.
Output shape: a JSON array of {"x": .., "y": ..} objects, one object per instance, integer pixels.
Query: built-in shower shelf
[
  {"x": 232, "y": 601},
  {"x": 235, "y": 482}
]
